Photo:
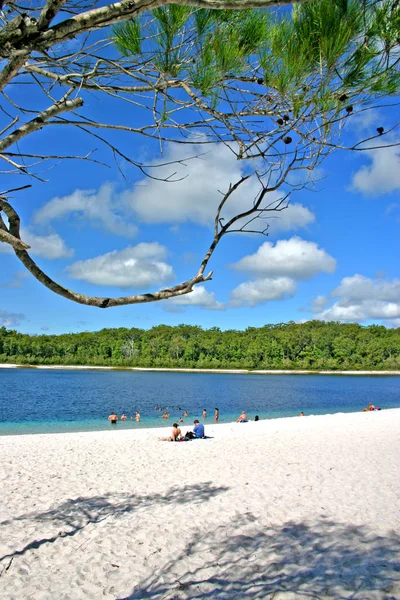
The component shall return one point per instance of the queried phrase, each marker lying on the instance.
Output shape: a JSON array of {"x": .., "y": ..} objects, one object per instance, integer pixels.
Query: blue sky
[{"x": 332, "y": 255}]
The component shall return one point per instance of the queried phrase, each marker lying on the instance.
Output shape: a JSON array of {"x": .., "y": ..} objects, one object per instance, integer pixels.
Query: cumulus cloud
[
  {"x": 199, "y": 297},
  {"x": 360, "y": 298},
  {"x": 294, "y": 258},
  {"x": 196, "y": 196},
  {"x": 46, "y": 246},
  {"x": 318, "y": 304},
  {"x": 262, "y": 290},
  {"x": 381, "y": 175},
  {"x": 103, "y": 208},
  {"x": 8, "y": 319},
  {"x": 135, "y": 267}
]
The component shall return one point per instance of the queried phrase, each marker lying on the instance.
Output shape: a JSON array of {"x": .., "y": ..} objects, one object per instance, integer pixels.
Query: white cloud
[
  {"x": 293, "y": 258},
  {"x": 359, "y": 288},
  {"x": 196, "y": 197},
  {"x": 199, "y": 297},
  {"x": 10, "y": 319},
  {"x": 382, "y": 175},
  {"x": 361, "y": 298},
  {"x": 46, "y": 246},
  {"x": 366, "y": 121},
  {"x": 103, "y": 208},
  {"x": 262, "y": 290},
  {"x": 395, "y": 323},
  {"x": 136, "y": 266},
  {"x": 295, "y": 216},
  {"x": 319, "y": 304}
]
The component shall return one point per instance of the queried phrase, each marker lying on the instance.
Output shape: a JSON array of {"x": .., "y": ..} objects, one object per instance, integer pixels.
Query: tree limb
[{"x": 37, "y": 123}]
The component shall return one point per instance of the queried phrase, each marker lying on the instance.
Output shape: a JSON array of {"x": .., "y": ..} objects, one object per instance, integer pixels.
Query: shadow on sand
[
  {"x": 74, "y": 515},
  {"x": 325, "y": 560}
]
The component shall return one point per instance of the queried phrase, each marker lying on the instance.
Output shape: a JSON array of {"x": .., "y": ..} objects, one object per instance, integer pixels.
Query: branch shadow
[
  {"x": 77, "y": 513},
  {"x": 327, "y": 560}
]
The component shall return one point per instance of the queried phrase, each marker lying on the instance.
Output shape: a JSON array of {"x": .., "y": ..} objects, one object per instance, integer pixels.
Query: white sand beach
[
  {"x": 280, "y": 509},
  {"x": 177, "y": 370}
]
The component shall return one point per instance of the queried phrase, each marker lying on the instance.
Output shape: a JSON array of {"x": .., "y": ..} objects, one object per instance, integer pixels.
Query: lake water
[{"x": 44, "y": 401}]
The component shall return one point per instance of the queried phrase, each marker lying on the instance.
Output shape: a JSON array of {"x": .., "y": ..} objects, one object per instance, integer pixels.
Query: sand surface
[
  {"x": 281, "y": 509},
  {"x": 177, "y": 370}
]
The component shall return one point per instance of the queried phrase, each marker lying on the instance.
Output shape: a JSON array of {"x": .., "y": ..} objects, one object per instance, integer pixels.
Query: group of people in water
[
  {"x": 198, "y": 430},
  {"x": 113, "y": 418}
]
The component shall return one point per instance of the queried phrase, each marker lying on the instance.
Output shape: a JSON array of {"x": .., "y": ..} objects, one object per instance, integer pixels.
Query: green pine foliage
[
  {"x": 313, "y": 345},
  {"x": 310, "y": 57}
]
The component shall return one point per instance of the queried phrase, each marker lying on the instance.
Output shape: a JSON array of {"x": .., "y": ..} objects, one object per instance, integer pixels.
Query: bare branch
[{"x": 39, "y": 121}]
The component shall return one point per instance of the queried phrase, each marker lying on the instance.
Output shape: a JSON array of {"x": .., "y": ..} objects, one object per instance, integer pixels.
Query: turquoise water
[{"x": 48, "y": 401}]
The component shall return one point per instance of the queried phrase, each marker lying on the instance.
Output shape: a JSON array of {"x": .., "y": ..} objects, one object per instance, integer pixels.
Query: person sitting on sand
[
  {"x": 123, "y": 417},
  {"x": 176, "y": 434},
  {"x": 243, "y": 418},
  {"x": 216, "y": 415},
  {"x": 197, "y": 433},
  {"x": 256, "y": 418},
  {"x": 370, "y": 407},
  {"x": 198, "y": 429},
  {"x": 137, "y": 416},
  {"x": 113, "y": 418}
]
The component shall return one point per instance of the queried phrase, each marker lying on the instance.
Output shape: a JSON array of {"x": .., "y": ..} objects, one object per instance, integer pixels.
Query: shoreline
[
  {"x": 180, "y": 370},
  {"x": 164, "y": 429},
  {"x": 217, "y": 430},
  {"x": 313, "y": 512}
]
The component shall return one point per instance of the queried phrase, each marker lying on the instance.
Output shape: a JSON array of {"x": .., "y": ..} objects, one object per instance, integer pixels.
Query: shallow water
[{"x": 45, "y": 401}]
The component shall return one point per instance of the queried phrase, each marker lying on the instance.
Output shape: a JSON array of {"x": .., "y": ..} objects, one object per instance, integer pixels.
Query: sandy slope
[{"x": 287, "y": 508}]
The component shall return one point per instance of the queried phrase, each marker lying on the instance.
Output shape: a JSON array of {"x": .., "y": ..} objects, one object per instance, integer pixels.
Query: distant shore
[{"x": 177, "y": 370}]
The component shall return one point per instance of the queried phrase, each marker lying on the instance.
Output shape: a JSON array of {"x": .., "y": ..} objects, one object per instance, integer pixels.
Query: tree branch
[
  {"x": 37, "y": 123},
  {"x": 13, "y": 238}
]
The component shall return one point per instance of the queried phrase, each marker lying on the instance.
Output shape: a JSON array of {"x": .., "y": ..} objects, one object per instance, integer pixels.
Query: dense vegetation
[{"x": 311, "y": 345}]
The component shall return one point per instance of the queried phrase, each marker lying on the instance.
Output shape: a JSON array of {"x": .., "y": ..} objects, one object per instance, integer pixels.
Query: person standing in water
[
  {"x": 137, "y": 416},
  {"x": 113, "y": 418},
  {"x": 204, "y": 413},
  {"x": 216, "y": 415}
]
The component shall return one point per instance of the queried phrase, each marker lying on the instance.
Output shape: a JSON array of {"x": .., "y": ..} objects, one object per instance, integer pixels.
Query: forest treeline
[{"x": 310, "y": 345}]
